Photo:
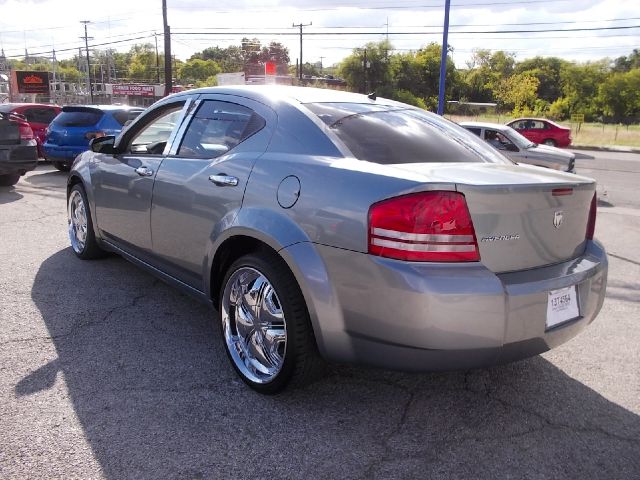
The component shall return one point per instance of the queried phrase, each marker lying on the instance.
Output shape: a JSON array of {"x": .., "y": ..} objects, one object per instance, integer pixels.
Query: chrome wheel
[
  {"x": 253, "y": 324},
  {"x": 77, "y": 214}
]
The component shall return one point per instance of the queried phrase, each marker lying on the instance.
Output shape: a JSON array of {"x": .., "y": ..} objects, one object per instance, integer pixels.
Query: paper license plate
[{"x": 562, "y": 305}]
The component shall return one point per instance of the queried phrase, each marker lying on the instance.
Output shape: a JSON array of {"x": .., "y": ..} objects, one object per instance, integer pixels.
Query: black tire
[
  {"x": 550, "y": 141},
  {"x": 9, "y": 180},
  {"x": 301, "y": 362},
  {"x": 63, "y": 167},
  {"x": 89, "y": 248}
]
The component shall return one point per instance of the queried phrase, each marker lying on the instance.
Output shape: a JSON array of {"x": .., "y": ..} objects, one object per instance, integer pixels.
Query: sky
[{"x": 578, "y": 30}]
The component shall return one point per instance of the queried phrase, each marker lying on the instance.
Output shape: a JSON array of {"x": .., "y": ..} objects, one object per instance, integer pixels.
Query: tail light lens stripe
[
  {"x": 417, "y": 237},
  {"x": 422, "y": 247}
]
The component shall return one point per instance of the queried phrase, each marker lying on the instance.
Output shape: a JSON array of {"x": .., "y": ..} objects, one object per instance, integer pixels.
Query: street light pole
[
  {"x": 168, "y": 84},
  {"x": 443, "y": 58},
  {"x": 86, "y": 44}
]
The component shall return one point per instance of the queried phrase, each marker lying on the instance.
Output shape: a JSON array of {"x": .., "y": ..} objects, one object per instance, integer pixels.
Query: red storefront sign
[
  {"x": 31, "y": 82},
  {"x": 139, "y": 90}
]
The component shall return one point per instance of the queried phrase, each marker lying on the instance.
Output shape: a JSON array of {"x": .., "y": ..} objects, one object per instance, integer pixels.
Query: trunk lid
[{"x": 524, "y": 216}]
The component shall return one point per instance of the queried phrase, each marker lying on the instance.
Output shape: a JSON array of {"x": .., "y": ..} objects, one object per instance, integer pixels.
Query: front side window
[
  {"x": 153, "y": 137},
  {"x": 388, "y": 134},
  {"x": 217, "y": 127}
]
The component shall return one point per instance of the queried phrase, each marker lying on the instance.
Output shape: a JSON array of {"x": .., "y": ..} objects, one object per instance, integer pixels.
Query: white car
[{"x": 520, "y": 149}]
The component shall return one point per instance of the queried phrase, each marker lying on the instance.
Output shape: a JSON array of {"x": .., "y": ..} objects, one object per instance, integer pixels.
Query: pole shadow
[{"x": 148, "y": 377}]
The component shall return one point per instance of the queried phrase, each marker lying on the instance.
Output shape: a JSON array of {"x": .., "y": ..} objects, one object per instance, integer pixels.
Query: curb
[{"x": 605, "y": 148}]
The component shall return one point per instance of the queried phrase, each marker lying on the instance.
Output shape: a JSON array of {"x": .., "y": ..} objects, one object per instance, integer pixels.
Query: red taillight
[
  {"x": 591, "y": 224},
  {"x": 425, "y": 227}
]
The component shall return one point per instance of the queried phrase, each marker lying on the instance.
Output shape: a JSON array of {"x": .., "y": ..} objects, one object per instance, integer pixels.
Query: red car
[
  {"x": 37, "y": 115},
  {"x": 541, "y": 130}
]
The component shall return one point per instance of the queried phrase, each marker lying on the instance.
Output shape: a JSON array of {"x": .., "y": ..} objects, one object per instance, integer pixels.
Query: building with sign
[{"x": 138, "y": 95}]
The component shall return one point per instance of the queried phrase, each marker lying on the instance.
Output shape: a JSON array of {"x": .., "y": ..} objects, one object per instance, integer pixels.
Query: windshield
[
  {"x": 517, "y": 139},
  {"x": 390, "y": 134}
]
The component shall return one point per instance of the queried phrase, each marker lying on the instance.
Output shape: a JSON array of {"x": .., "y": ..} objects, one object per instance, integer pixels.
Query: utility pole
[
  {"x": 168, "y": 84},
  {"x": 86, "y": 44},
  {"x": 443, "y": 58},
  {"x": 321, "y": 58},
  {"x": 300, "y": 25},
  {"x": 155, "y": 36},
  {"x": 54, "y": 61}
]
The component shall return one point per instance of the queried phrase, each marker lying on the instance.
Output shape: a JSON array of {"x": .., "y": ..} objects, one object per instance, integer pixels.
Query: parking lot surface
[{"x": 106, "y": 372}]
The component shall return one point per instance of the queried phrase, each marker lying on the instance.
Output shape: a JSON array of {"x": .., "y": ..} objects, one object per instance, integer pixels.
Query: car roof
[
  {"x": 273, "y": 93},
  {"x": 6, "y": 107},
  {"x": 106, "y": 107},
  {"x": 551, "y": 122},
  {"x": 495, "y": 126}
]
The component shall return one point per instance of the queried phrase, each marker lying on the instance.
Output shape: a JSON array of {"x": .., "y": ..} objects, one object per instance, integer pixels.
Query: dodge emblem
[{"x": 557, "y": 219}]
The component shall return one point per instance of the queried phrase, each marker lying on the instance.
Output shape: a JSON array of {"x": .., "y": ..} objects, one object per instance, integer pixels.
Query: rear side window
[
  {"x": 397, "y": 135},
  {"x": 218, "y": 127},
  {"x": 39, "y": 115},
  {"x": 83, "y": 118},
  {"x": 474, "y": 130}
]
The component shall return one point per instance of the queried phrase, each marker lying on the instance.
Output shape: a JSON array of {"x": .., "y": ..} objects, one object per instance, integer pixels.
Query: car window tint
[
  {"x": 477, "y": 131},
  {"x": 538, "y": 125},
  {"x": 39, "y": 115},
  {"x": 122, "y": 116},
  {"x": 157, "y": 130},
  {"x": 396, "y": 135},
  {"x": 217, "y": 127},
  {"x": 78, "y": 118}
]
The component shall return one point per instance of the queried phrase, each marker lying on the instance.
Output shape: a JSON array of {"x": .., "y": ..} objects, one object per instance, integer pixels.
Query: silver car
[
  {"x": 520, "y": 149},
  {"x": 325, "y": 225}
]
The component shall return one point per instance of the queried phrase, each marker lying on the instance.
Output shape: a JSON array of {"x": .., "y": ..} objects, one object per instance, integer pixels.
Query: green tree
[
  {"x": 619, "y": 96},
  {"x": 367, "y": 69},
  {"x": 142, "y": 63},
  {"x": 486, "y": 69},
  {"x": 197, "y": 70},
  {"x": 518, "y": 93},
  {"x": 548, "y": 72}
]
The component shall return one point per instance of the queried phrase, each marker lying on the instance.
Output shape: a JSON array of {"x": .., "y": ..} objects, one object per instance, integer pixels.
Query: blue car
[{"x": 70, "y": 132}]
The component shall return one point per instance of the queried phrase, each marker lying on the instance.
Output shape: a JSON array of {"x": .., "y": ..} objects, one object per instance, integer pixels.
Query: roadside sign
[{"x": 577, "y": 117}]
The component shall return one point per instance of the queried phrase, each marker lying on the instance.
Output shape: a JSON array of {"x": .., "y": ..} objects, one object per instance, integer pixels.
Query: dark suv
[
  {"x": 18, "y": 148},
  {"x": 69, "y": 133}
]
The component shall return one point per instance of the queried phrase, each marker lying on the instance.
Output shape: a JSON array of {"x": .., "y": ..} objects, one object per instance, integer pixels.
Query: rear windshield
[
  {"x": 395, "y": 135},
  {"x": 79, "y": 118}
]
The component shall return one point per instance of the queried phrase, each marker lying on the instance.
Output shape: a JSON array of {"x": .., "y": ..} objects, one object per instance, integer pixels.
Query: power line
[{"x": 476, "y": 32}]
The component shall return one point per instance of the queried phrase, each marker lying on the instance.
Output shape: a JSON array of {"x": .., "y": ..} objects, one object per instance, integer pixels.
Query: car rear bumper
[
  {"x": 63, "y": 154},
  {"x": 18, "y": 159},
  {"x": 414, "y": 316}
]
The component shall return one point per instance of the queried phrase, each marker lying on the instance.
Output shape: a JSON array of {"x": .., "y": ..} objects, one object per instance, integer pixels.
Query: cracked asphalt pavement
[{"x": 108, "y": 373}]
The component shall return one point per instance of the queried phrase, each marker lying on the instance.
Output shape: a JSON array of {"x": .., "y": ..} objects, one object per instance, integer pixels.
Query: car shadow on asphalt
[
  {"x": 9, "y": 194},
  {"x": 583, "y": 156},
  {"x": 150, "y": 383}
]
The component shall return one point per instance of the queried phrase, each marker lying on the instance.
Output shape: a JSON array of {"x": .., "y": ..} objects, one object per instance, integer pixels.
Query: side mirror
[{"x": 103, "y": 144}]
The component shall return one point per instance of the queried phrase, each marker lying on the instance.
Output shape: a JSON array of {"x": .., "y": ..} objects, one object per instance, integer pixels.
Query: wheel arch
[{"x": 241, "y": 241}]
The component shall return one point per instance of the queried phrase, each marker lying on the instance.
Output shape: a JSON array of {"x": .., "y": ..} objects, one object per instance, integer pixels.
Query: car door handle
[
  {"x": 144, "y": 171},
  {"x": 223, "y": 180}
]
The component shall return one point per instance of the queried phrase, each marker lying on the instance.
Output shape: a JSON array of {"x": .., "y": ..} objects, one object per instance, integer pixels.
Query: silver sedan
[
  {"x": 324, "y": 225},
  {"x": 520, "y": 149}
]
